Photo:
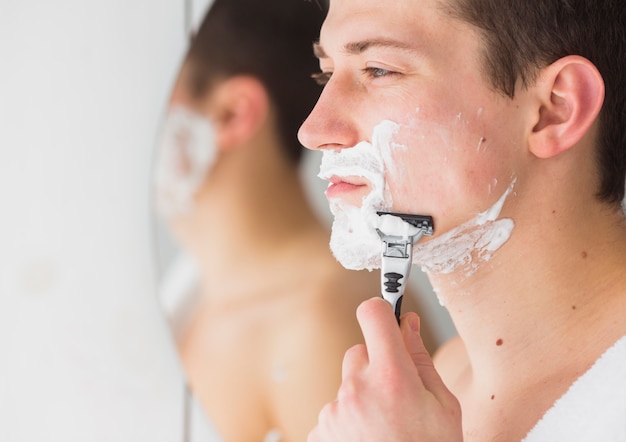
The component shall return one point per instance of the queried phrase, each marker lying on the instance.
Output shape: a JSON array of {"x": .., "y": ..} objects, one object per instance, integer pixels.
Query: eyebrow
[{"x": 358, "y": 47}]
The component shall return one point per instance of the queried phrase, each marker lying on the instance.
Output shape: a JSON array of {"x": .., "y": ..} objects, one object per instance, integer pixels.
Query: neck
[
  {"x": 247, "y": 217},
  {"x": 543, "y": 293}
]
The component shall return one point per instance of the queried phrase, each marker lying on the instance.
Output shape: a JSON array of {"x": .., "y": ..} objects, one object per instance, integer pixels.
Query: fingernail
[{"x": 414, "y": 322}]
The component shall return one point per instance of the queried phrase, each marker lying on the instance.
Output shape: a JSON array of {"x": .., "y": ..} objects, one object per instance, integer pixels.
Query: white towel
[
  {"x": 178, "y": 291},
  {"x": 594, "y": 407}
]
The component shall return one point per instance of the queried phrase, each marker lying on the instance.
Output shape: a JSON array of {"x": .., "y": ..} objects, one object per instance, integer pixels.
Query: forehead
[{"x": 407, "y": 22}]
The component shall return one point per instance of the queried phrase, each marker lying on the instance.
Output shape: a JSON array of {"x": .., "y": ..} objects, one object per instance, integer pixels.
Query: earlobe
[
  {"x": 571, "y": 93},
  {"x": 240, "y": 107}
]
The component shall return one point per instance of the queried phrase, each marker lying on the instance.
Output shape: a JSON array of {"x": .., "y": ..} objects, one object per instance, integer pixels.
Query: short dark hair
[
  {"x": 270, "y": 40},
  {"x": 522, "y": 37}
]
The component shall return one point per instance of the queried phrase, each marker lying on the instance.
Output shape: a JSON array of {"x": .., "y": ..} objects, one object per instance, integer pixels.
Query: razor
[{"x": 397, "y": 257}]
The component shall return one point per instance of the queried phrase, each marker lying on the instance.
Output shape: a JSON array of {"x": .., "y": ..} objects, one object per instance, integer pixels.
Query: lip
[{"x": 339, "y": 186}]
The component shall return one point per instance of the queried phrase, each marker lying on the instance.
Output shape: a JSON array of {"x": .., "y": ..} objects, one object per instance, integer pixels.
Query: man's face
[{"x": 453, "y": 145}]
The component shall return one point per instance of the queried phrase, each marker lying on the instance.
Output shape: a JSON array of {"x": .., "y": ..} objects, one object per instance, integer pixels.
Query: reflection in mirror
[
  {"x": 256, "y": 302},
  {"x": 261, "y": 311}
]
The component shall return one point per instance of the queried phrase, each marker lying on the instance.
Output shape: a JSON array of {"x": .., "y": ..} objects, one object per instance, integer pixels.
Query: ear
[
  {"x": 570, "y": 95},
  {"x": 239, "y": 107}
]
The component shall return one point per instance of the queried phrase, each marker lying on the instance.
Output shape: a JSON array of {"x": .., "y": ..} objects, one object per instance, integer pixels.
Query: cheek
[{"x": 441, "y": 168}]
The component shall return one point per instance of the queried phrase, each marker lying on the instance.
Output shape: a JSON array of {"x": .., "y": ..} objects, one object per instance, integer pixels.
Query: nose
[{"x": 331, "y": 123}]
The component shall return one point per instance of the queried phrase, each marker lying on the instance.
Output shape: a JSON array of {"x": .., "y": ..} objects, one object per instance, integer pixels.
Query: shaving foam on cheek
[
  {"x": 354, "y": 240},
  {"x": 186, "y": 152},
  {"x": 468, "y": 245}
]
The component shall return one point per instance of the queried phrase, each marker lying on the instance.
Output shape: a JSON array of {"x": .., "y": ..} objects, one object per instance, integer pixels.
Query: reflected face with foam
[
  {"x": 406, "y": 104},
  {"x": 186, "y": 153}
]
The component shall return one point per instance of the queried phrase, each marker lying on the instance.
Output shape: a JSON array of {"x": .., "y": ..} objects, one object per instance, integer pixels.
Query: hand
[{"x": 390, "y": 390}]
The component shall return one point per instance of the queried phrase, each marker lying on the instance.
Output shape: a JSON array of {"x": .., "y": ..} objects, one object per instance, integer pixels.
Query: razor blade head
[{"x": 423, "y": 222}]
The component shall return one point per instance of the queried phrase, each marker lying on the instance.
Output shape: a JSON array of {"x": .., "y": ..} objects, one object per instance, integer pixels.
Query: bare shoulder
[
  {"x": 325, "y": 326},
  {"x": 335, "y": 295},
  {"x": 312, "y": 344},
  {"x": 451, "y": 360}
]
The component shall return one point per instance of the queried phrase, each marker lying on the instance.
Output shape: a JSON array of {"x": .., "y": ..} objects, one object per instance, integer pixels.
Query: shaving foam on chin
[
  {"x": 354, "y": 241},
  {"x": 186, "y": 152}
]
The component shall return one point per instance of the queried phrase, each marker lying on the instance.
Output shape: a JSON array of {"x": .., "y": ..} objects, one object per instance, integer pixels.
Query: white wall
[{"x": 85, "y": 354}]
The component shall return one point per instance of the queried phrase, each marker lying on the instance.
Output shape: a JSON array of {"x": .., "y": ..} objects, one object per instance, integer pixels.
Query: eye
[
  {"x": 321, "y": 78},
  {"x": 375, "y": 72}
]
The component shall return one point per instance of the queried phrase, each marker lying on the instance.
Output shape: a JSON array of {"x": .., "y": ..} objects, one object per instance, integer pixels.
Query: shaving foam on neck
[
  {"x": 469, "y": 245},
  {"x": 186, "y": 152},
  {"x": 354, "y": 241}
]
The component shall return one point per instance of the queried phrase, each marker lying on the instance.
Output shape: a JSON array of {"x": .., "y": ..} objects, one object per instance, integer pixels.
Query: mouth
[{"x": 341, "y": 187}]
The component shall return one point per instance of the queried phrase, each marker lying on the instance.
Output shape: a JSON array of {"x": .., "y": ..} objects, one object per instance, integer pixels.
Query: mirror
[
  {"x": 243, "y": 248},
  {"x": 260, "y": 310}
]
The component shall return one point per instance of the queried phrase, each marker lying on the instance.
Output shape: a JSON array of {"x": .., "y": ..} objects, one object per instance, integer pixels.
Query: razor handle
[{"x": 392, "y": 292}]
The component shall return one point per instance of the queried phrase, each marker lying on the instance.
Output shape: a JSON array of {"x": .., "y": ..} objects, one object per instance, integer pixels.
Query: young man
[
  {"x": 507, "y": 126},
  {"x": 263, "y": 342}
]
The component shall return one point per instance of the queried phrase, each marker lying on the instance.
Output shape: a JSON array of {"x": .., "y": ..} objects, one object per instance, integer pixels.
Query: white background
[{"x": 85, "y": 354}]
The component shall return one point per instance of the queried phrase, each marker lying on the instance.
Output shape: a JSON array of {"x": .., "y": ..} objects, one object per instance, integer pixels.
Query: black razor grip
[
  {"x": 392, "y": 286},
  {"x": 398, "y": 308}
]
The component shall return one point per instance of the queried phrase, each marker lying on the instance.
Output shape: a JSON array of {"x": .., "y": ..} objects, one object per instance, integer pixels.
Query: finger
[
  {"x": 313, "y": 435},
  {"x": 323, "y": 431},
  {"x": 410, "y": 327},
  {"x": 380, "y": 331},
  {"x": 354, "y": 361}
]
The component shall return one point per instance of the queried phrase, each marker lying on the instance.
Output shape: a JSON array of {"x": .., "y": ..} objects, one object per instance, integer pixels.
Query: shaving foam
[
  {"x": 186, "y": 152},
  {"x": 396, "y": 226},
  {"x": 468, "y": 245},
  {"x": 354, "y": 241}
]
